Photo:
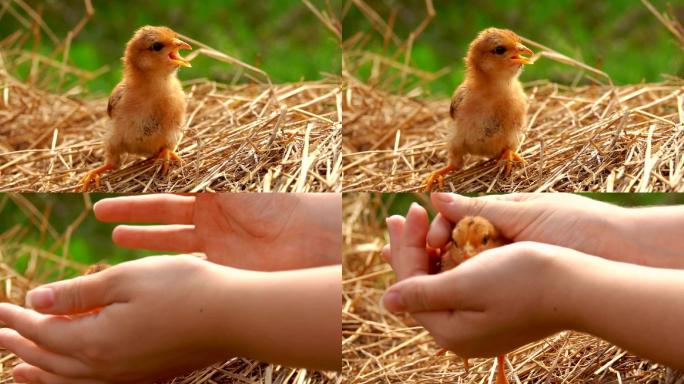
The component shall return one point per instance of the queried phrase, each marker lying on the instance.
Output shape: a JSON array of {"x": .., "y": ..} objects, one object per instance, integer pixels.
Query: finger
[
  {"x": 160, "y": 208},
  {"x": 387, "y": 253},
  {"x": 26, "y": 373},
  {"x": 395, "y": 226},
  {"x": 422, "y": 294},
  {"x": 78, "y": 295},
  {"x": 166, "y": 238},
  {"x": 440, "y": 232},
  {"x": 412, "y": 259},
  {"x": 60, "y": 334},
  {"x": 40, "y": 357},
  {"x": 497, "y": 208}
]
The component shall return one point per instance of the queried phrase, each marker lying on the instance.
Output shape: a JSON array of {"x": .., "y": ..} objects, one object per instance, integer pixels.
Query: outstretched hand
[
  {"x": 137, "y": 321},
  {"x": 250, "y": 231}
]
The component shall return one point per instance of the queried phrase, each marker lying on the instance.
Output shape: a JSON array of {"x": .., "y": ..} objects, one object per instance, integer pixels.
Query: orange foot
[
  {"x": 165, "y": 156},
  {"x": 510, "y": 156},
  {"x": 438, "y": 176},
  {"x": 501, "y": 370},
  {"x": 93, "y": 176},
  {"x": 466, "y": 364}
]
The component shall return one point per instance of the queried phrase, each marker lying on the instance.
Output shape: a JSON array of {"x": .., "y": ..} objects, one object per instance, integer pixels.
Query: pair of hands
[
  {"x": 151, "y": 318},
  {"x": 512, "y": 295}
]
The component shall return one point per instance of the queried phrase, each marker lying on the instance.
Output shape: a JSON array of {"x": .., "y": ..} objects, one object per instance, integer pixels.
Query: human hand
[
  {"x": 566, "y": 220},
  {"x": 139, "y": 321},
  {"x": 491, "y": 304},
  {"x": 251, "y": 231}
]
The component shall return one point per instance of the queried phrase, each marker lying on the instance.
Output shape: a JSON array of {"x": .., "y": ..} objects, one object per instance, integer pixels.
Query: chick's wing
[
  {"x": 456, "y": 100},
  {"x": 115, "y": 97}
]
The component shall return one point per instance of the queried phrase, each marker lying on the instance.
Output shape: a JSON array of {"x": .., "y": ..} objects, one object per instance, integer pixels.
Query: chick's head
[
  {"x": 497, "y": 53},
  {"x": 474, "y": 234},
  {"x": 155, "y": 49}
]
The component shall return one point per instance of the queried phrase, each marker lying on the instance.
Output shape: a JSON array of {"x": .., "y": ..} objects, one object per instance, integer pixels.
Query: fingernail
[
  {"x": 393, "y": 302},
  {"x": 444, "y": 197},
  {"x": 40, "y": 298}
]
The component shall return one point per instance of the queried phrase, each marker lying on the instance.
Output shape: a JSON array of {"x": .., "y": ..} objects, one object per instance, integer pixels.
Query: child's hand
[
  {"x": 247, "y": 231},
  {"x": 489, "y": 305},
  {"x": 567, "y": 220},
  {"x": 143, "y": 320}
]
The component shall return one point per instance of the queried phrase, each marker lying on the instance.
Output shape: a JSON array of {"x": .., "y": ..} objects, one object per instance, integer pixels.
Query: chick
[
  {"x": 472, "y": 235},
  {"x": 147, "y": 107},
  {"x": 489, "y": 108}
]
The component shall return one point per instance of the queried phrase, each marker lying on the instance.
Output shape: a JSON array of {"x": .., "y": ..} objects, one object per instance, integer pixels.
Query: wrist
[{"x": 567, "y": 288}]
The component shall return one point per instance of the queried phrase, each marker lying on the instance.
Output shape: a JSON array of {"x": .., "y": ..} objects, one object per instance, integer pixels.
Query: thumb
[
  {"x": 421, "y": 294},
  {"x": 74, "y": 296}
]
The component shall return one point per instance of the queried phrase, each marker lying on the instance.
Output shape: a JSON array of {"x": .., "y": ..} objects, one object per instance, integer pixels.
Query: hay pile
[
  {"x": 248, "y": 136},
  {"x": 597, "y": 138},
  {"x": 593, "y": 138},
  {"x": 49, "y": 263},
  {"x": 379, "y": 347},
  {"x": 237, "y": 138}
]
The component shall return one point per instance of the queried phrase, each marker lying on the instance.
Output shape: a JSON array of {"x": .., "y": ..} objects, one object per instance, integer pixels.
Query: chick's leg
[
  {"x": 165, "y": 156},
  {"x": 438, "y": 176},
  {"x": 93, "y": 175},
  {"x": 501, "y": 370},
  {"x": 510, "y": 156}
]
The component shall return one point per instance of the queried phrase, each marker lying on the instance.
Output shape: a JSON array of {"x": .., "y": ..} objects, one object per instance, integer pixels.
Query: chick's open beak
[
  {"x": 522, "y": 50},
  {"x": 175, "y": 57}
]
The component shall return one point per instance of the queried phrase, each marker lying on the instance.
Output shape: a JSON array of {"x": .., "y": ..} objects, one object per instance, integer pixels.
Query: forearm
[
  {"x": 320, "y": 229},
  {"x": 291, "y": 318},
  {"x": 638, "y": 308},
  {"x": 655, "y": 236}
]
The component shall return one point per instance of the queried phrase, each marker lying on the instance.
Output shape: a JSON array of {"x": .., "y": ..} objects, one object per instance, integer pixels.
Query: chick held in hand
[
  {"x": 147, "y": 108},
  {"x": 471, "y": 236},
  {"x": 489, "y": 108}
]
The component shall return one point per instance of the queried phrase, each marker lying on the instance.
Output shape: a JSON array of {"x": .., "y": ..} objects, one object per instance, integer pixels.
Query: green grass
[
  {"x": 281, "y": 37},
  {"x": 620, "y": 37}
]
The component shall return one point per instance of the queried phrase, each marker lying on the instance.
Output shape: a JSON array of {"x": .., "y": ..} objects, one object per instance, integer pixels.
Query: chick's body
[
  {"x": 148, "y": 106},
  {"x": 470, "y": 236},
  {"x": 489, "y": 108}
]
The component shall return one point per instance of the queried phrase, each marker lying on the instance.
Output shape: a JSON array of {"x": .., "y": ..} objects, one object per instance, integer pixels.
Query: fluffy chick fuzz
[
  {"x": 470, "y": 236},
  {"x": 147, "y": 108},
  {"x": 489, "y": 108}
]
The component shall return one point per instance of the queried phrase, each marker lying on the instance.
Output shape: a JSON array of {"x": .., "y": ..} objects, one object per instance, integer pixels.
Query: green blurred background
[
  {"x": 620, "y": 37},
  {"x": 282, "y": 37},
  {"x": 90, "y": 242}
]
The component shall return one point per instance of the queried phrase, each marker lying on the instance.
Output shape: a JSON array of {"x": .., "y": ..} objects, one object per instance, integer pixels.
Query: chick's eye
[
  {"x": 157, "y": 47},
  {"x": 500, "y": 50},
  {"x": 485, "y": 240}
]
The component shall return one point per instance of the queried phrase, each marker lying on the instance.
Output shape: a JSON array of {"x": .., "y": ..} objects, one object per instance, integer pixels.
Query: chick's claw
[
  {"x": 510, "y": 156},
  {"x": 165, "y": 157},
  {"x": 93, "y": 175},
  {"x": 438, "y": 176}
]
